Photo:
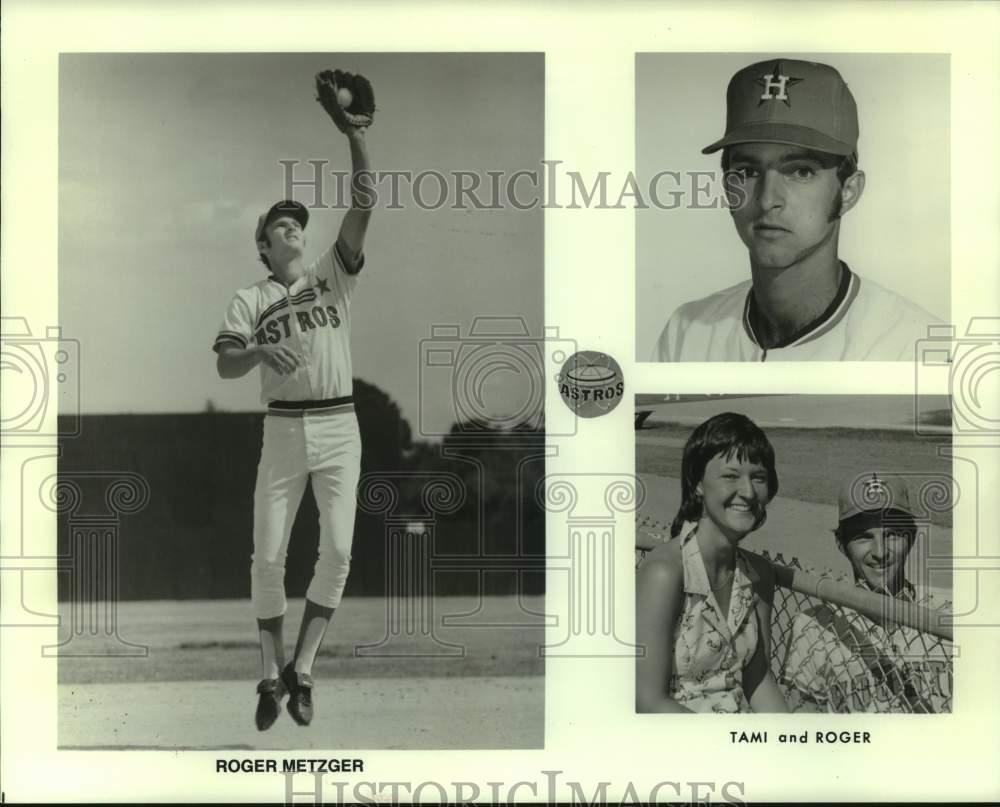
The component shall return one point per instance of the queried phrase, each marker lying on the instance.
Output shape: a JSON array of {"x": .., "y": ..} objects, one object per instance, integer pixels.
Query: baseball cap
[
  {"x": 793, "y": 102},
  {"x": 286, "y": 207},
  {"x": 872, "y": 499}
]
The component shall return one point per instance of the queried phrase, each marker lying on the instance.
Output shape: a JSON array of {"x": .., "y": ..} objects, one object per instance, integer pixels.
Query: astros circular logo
[{"x": 591, "y": 383}]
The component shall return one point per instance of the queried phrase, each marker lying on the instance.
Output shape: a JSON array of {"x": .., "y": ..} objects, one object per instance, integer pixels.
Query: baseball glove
[{"x": 360, "y": 112}]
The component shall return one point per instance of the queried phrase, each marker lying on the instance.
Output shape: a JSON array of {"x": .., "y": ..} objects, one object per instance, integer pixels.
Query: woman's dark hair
[{"x": 728, "y": 434}]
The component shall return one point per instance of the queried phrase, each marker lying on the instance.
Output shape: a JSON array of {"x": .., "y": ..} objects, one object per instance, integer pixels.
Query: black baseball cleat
[
  {"x": 300, "y": 702},
  {"x": 270, "y": 691}
]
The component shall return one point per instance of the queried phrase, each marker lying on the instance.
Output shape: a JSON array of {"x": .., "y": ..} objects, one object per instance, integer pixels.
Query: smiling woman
[{"x": 703, "y": 605}]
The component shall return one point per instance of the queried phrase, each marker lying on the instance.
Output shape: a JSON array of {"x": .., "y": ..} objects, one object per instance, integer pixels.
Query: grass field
[{"x": 467, "y": 686}]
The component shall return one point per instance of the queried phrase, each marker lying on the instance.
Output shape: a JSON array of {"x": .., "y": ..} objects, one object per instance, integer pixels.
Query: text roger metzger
[{"x": 289, "y": 765}]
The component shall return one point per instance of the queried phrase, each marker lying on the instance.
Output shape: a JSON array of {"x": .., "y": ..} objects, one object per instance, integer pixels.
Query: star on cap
[
  {"x": 775, "y": 80},
  {"x": 322, "y": 286}
]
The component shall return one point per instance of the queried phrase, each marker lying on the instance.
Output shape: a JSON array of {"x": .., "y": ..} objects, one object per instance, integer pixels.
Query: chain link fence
[{"x": 836, "y": 647}]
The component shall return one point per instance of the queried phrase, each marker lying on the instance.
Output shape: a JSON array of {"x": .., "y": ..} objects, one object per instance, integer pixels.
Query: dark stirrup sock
[{"x": 315, "y": 620}]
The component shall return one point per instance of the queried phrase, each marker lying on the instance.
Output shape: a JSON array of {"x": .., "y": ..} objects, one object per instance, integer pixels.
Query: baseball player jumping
[
  {"x": 295, "y": 325},
  {"x": 790, "y": 156}
]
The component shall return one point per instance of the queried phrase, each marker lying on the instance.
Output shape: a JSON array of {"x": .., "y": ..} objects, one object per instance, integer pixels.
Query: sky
[{"x": 166, "y": 160}]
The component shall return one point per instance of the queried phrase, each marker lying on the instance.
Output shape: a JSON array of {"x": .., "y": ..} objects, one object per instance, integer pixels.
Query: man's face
[
  {"x": 734, "y": 493},
  {"x": 788, "y": 200},
  {"x": 878, "y": 556},
  {"x": 287, "y": 239}
]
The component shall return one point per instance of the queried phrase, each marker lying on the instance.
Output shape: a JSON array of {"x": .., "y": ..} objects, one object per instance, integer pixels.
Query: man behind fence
[{"x": 841, "y": 661}]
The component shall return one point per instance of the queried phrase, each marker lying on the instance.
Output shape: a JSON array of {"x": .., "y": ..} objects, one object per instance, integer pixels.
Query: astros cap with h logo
[
  {"x": 792, "y": 102},
  {"x": 873, "y": 499}
]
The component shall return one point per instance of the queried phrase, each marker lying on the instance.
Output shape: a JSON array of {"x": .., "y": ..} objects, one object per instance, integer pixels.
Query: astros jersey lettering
[
  {"x": 312, "y": 317},
  {"x": 865, "y": 322}
]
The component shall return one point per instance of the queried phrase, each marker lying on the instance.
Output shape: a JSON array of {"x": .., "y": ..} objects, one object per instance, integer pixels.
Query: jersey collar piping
[
  {"x": 847, "y": 291},
  {"x": 303, "y": 278}
]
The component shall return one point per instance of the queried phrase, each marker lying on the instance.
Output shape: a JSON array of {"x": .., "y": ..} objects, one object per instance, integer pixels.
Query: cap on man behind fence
[
  {"x": 792, "y": 102},
  {"x": 871, "y": 500}
]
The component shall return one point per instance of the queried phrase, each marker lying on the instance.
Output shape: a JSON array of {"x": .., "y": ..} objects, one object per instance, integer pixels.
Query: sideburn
[{"x": 837, "y": 207}]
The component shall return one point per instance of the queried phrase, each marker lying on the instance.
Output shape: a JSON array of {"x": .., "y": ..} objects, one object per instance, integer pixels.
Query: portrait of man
[
  {"x": 792, "y": 179},
  {"x": 841, "y": 661}
]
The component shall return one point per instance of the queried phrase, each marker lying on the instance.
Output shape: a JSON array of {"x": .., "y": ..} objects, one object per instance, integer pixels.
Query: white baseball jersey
[
  {"x": 865, "y": 322},
  {"x": 312, "y": 317},
  {"x": 842, "y": 661}
]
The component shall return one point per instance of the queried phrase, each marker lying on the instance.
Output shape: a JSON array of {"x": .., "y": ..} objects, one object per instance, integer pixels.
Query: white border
[{"x": 591, "y": 732}]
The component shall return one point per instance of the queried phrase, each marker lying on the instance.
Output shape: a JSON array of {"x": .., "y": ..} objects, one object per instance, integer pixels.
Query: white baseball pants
[{"x": 327, "y": 448}]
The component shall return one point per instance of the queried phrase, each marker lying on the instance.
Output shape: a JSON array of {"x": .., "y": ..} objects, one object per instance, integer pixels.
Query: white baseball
[{"x": 344, "y": 97}]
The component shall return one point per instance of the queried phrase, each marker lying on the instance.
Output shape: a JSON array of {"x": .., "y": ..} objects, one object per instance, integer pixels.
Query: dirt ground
[
  {"x": 183, "y": 674},
  {"x": 482, "y": 712}
]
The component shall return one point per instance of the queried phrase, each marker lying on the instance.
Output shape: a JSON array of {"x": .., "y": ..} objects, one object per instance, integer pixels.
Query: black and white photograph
[
  {"x": 802, "y": 205},
  {"x": 795, "y": 554},
  {"x": 285, "y": 382},
  {"x": 320, "y": 325}
]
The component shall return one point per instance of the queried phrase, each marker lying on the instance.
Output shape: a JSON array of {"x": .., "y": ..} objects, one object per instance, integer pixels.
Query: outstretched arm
[
  {"x": 350, "y": 102},
  {"x": 355, "y": 224}
]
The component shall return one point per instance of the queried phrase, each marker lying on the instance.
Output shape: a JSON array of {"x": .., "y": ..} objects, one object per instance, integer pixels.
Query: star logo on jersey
[
  {"x": 321, "y": 284},
  {"x": 775, "y": 85}
]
